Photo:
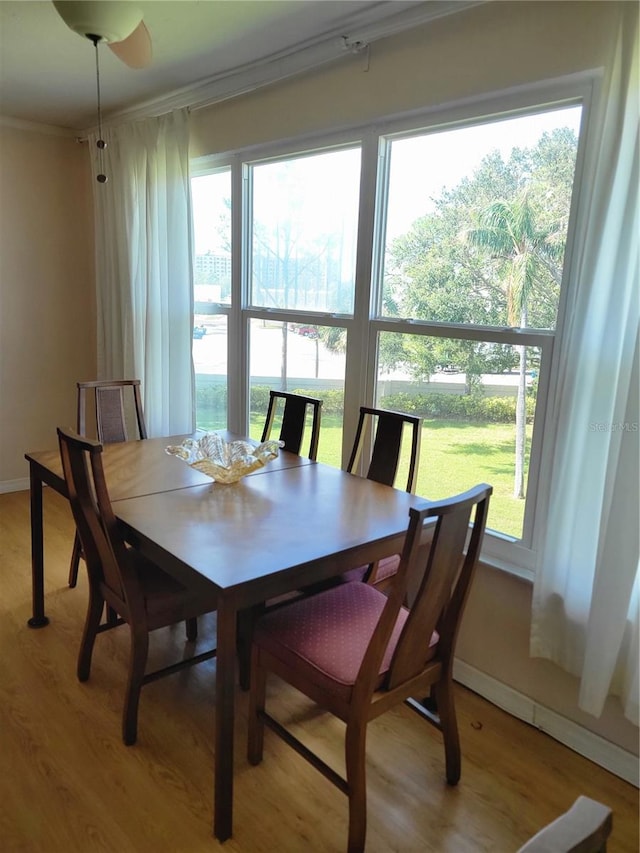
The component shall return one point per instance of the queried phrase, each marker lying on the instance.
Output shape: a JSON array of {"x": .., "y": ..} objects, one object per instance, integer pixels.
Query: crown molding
[
  {"x": 37, "y": 127},
  {"x": 415, "y": 16},
  {"x": 304, "y": 57}
]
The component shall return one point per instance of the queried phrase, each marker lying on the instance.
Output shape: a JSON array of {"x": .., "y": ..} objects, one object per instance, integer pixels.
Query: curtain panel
[
  {"x": 585, "y": 597},
  {"x": 144, "y": 265}
]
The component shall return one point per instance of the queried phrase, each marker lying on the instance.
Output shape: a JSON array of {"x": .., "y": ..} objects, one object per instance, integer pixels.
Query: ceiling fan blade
[{"x": 135, "y": 51}]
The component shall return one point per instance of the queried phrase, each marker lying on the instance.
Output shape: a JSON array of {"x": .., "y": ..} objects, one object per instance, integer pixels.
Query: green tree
[
  {"x": 508, "y": 230},
  {"x": 488, "y": 252},
  {"x": 431, "y": 274}
]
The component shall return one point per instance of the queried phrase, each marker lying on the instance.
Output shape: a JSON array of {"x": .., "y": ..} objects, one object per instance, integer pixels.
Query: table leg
[
  {"x": 38, "y": 619},
  {"x": 225, "y": 687}
]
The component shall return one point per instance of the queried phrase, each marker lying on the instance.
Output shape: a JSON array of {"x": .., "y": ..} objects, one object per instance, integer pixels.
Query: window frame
[{"x": 365, "y": 324}]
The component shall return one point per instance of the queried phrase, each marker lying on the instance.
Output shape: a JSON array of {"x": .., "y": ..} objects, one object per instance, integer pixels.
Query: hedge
[{"x": 467, "y": 407}]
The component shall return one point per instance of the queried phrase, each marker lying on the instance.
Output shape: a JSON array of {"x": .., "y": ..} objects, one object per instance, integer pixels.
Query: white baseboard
[
  {"x": 602, "y": 752},
  {"x": 14, "y": 485}
]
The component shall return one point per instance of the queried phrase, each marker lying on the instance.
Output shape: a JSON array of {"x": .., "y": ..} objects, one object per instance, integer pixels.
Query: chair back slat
[
  {"x": 388, "y": 428},
  {"x": 293, "y": 419},
  {"x": 386, "y": 451},
  {"x": 110, "y": 417},
  {"x": 445, "y": 582},
  {"x": 434, "y": 592},
  {"x": 116, "y": 416},
  {"x": 294, "y": 416}
]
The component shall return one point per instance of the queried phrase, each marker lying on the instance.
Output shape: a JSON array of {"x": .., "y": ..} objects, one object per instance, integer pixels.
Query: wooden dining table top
[
  {"x": 135, "y": 468},
  {"x": 273, "y": 531}
]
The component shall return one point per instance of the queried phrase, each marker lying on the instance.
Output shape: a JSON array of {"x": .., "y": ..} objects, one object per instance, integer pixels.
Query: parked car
[
  {"x": 308, "y": 332},
  {"x": 199, "y": 332}
]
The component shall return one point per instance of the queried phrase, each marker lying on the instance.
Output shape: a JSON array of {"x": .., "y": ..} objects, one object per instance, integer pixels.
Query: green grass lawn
[
  {"x": 456, "y": 456},
  {"x": 453, "y": 457}
]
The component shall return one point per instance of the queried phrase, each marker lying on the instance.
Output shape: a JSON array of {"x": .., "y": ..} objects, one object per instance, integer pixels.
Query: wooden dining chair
[
  {"x": 357, "y": 651},
  {"x": 293, "y": 418},
  {"x": 384, "y": 431},
  {"x": 119, "y": 416},
  {"x": 584, "y": 828},
  {"x": 290, "y": 410},
  {"x": 137, "y": 590}
]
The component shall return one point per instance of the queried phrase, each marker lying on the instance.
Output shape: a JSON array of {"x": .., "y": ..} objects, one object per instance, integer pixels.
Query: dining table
[
  {"x": 291, "y": 524},
  {"x": 132, "y": 469}
]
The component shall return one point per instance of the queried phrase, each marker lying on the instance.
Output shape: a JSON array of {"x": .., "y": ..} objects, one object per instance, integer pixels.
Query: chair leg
[
  {"x": 430, "y": 702},
  {"x": 137, "y": 665},
  {"x": 355, "y": 754},
  {"x": 448, "y": 724},
  {"x": 192, "y": 629},
  {"x": 91, "y": 625},
  {"x": 75, "y": 561},
  {"x": 258, "y": 680}
]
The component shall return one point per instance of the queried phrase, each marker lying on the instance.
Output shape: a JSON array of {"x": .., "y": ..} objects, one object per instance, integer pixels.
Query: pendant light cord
[{"x": 101, "y": 177}]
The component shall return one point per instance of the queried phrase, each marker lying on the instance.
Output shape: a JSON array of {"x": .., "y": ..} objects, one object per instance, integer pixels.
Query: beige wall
[
  {"x": 486, "y": 48},
  {"x": 494, "y": 639},
  {"x": 483, "y": 49},
  {"x": 47, "y": 302}
]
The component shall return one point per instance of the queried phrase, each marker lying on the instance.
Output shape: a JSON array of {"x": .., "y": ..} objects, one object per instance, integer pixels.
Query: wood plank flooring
[{"x": 69, "y": 785}]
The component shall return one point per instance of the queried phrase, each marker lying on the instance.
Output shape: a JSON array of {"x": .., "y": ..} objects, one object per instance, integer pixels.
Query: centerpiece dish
[{"x": 224, "y": 461}]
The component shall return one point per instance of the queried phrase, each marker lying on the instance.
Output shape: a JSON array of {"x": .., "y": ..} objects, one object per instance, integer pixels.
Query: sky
[{"x": 455, "y": 154}]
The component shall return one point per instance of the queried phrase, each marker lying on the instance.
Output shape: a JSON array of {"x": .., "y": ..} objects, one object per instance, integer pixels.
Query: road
[{"x": 210, "y": 357}]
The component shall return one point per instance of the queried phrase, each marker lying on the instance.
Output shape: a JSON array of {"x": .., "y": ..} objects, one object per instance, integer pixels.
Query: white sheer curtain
[
  {"x": 585, "y": 601},
  {"x": 144, "y": 266}
]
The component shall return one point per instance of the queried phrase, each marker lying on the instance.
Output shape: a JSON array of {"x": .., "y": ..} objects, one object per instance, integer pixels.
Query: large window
[
  {"x": 471, "y": 248},
  {"x": 417, "y": 268}
]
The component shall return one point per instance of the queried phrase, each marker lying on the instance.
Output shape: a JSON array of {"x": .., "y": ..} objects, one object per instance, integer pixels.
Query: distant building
[
  {"x": 308, "y": 282},
  {"x": 212, "y": 269}
]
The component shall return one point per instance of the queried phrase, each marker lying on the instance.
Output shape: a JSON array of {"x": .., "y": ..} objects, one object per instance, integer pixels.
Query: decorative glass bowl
[{"x": 224, "y": 461}]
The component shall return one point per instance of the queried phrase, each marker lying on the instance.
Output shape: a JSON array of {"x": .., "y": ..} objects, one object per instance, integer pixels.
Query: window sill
[{"x": 508, "y": 556}]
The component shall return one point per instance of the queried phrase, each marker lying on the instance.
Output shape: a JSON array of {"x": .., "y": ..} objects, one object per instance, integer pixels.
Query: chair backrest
[
  {"x": 104, "y": 549},
  {"x": 443, "y": 580},
  {"x": 112, "y": 408},
  {"x": 388, "y": 428},
  {"x": 584, "y": 828},
  {"x": 294, "y": 416}
]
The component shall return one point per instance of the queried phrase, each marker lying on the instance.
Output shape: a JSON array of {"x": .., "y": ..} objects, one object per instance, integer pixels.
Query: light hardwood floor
[{"x": 69, "y": 784}]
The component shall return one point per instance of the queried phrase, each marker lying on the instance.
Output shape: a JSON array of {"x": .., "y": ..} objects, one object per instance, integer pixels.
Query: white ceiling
[{"x": 203, "y": 50}]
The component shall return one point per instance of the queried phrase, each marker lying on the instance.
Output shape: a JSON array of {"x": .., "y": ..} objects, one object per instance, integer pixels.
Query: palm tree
[{"x": 508, "y": 230}]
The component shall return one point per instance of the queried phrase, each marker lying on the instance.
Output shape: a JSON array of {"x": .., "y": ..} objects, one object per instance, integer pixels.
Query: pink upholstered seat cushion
[
  {"x": 387, "y": 567},
  {"x": 327, "y": 634}
]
